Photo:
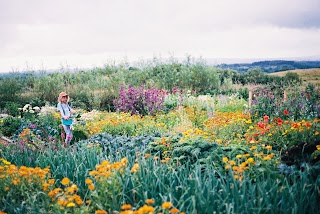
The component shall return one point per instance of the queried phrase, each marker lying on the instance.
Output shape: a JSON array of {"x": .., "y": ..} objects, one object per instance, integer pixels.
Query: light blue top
[{"x": 65, "y": 108}]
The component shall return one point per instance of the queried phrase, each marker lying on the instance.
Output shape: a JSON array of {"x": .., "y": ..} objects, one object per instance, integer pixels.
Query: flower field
[{"x": 199, "y": 154}]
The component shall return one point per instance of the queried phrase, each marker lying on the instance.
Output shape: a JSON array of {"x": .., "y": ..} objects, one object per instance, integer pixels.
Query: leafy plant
[{"x": 10, "y": 125}]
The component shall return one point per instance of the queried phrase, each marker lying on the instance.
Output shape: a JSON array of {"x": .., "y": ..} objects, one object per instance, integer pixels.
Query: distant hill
[
  {"x": 272, "y": 65},
  {"x": 311, "y": 75}
]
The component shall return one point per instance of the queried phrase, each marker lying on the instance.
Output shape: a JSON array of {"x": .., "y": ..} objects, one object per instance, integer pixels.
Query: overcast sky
[{"x": 37, "y": 34}]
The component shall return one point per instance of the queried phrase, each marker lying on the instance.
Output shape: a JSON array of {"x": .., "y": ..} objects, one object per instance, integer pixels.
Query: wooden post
[{"x": 250, "y": 98}]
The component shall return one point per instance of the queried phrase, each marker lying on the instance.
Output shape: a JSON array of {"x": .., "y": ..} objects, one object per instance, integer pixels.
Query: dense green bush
[
  {"x": 12, "y": 108},
  {"x": 10, "y": 125}
]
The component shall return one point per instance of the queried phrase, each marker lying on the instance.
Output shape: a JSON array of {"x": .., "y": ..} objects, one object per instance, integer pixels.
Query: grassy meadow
[{"x": 311, "y": 75}]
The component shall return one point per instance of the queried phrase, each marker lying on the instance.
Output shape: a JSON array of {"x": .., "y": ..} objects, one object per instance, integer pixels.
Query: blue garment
[
  {"x": 67, "y": 128},
  {"x": 65, "y": 108}
]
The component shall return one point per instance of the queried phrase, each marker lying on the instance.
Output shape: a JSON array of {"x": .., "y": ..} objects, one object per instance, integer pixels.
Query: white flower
[
  {"x": 36, "y": 108},
  {"x": 31, "y": 111},
  {"x": 25, "y": 107}
]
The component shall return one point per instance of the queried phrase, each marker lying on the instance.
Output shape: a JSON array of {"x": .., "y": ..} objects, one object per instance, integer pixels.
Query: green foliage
[
  {"x": 10, "y": 125},
  {"x": 10, "y": 89},
  {"x": 12, "y": 108},
  {"x": 292, "y": 78},
  {"x": 79, "y": 135},
  {"x": 48, "y": 87}
]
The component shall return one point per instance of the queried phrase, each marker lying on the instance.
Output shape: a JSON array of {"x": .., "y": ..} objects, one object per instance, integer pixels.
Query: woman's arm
[
  {"x": 62, "y": 115},
  {"x": 72, "y": 110}
]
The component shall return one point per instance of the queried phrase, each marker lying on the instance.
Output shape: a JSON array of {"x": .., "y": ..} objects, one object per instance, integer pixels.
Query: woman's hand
[{"x": 65, "y": 117}]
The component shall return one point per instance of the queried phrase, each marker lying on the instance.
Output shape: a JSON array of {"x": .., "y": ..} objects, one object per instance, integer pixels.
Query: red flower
[
  {"x": 285, "y": 112},
  {"x": 265, "y": 118},
  {"x": 261, "y": 125}
]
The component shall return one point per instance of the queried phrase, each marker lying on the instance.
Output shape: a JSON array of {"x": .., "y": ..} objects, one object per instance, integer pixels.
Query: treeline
[
  {"x": 98, "y": 87},
  {"x": 272, "y": 66}
]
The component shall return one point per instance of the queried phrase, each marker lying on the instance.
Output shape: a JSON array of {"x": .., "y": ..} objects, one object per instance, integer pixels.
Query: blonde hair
[{"x": 63, "y": 94}]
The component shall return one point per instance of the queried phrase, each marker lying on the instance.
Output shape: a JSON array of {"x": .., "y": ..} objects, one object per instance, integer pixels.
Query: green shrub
[
  {"x": 79, "y": 135},
  {"x": 12, "y": 108},
  {"x": 10, "y": 125}
]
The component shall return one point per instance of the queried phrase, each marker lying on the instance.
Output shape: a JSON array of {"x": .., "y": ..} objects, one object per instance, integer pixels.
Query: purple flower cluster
[
  {"x": 298, "y": 105},
  {"x": 139, "y": 100}
]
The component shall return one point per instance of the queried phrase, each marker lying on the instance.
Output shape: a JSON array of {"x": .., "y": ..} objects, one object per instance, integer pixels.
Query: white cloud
[{"x": 89, "y": 32}]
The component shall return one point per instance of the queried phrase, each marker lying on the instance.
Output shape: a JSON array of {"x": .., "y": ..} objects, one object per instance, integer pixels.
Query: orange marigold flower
[
  {"x": 174, "y": 210},
  {"x": 232, "y": 162},
  {"x": 266, "y": 158},
  {"x": 91, "y": 187},
  {"x": 51, "y": 181},
  {"x": 135, "y": 167},
  {"x": 149, "y": 201},
  {"x": 126, "y": 207},
  {"x": 146, "y": 209},
  {"x": 101, "y": 212},
  {"x": 65, "y": 181},
  {"x": 88, "y": 181},
  {"x": 166, "y": 205}
]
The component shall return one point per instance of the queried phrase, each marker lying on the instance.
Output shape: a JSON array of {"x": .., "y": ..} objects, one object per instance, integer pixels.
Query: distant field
[{"x": 311, "y": 75}]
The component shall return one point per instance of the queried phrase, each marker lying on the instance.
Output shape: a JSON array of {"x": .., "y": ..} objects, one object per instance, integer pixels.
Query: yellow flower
[
  {"x": 227, "y": 167},
  {"x": 45, "y": 186},
  {"x": 250, "y": 160},
  {"x": 232, "y": 162},
  {"x": 239, "y": 156},
  {"x": 219, "y": 141},
  {"x": 146, "y": 209},
  {"x": 126, "y": 207},
  {"x": 5, "y": 161},
  {"x": 71, "y": 204},
  {"x": 146, "y": 155},
  {"x": 253, "y": 148},
  {"x": 268, "y": 147},
  {"x": 150, "y": 201},
  {"x": 65, "y": 181},
  {"x": 266, "y": 158},
  {"x": 166, "y": 205},
  {"x": 51, "y": 181},
  {"x": 88, "y": 181},
  {"x": 235, "y": 168},
  {"x": 225, "y": 160},
  {"x": 135, "y": 167}
]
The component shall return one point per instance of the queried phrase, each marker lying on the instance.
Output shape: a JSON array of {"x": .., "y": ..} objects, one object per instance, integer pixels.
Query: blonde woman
[{"x": 65, "y": 112}]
